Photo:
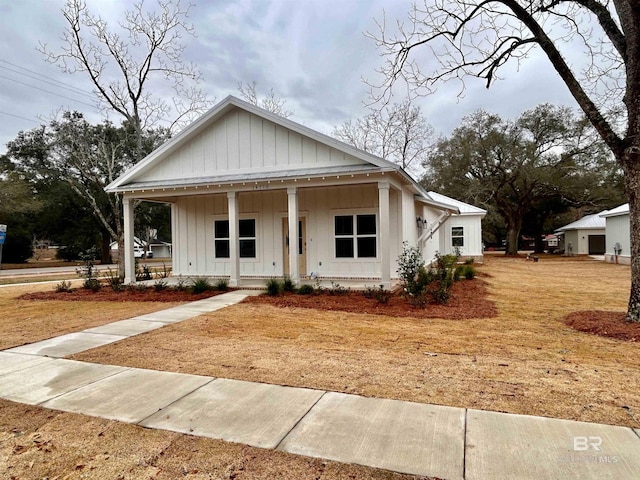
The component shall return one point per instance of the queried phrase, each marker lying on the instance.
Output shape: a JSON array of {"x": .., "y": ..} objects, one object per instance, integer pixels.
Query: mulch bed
[
  {"x": 468, "y": 300},
  {"x": 605, "y": 324},
  {"x": 106, "y": 294}
]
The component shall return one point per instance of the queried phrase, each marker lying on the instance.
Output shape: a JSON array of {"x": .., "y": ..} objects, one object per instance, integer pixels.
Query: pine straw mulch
[
  {"x": 106, "y": 294},
  {"x": 468, "y": 300},
  {"x": 605, "y": 324}
]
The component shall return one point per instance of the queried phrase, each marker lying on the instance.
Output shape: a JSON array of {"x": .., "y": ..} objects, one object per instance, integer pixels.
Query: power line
[
  {"x": 84, "y": 92},
  {"x": 18, "y": 116},
  {"x": 71, "y": 89},
  {"x": 47, "y": 91}
]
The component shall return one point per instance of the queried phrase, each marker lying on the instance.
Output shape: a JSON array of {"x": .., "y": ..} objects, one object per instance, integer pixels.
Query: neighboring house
[
  {"x": 254, "y": 195},
  {"x": 158, "y": 249},
  {"x": 551, "y": 243},
  {"x": 618, "y": 235},
  {"x": 585, "y": 236},
  {"x": 463, "y": 231}
]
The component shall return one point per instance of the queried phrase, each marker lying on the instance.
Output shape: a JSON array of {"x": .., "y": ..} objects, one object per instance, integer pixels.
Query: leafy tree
[
  {"x": 17, "y": 208},
  {"x": 398, "y": 133},
  {"x": 514, "y": 168},
  {"x": 477, "y": 38},
  {"x": 86, "y": 158},
  {"x": 270, "y": 102}
]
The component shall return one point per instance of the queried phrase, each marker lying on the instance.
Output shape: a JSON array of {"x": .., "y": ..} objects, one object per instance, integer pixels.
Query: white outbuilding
[
  {"x": 618, "y": 235},
  {"x": 585, "y": 236},
  {"x": 254, "y": 195}
]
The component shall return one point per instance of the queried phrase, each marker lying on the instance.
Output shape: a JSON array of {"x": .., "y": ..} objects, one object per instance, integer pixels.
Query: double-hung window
[
  {"x": 355, "y": 236},
  {"x": 457, "y": 236},
  {"x": 246, "y": 234}
]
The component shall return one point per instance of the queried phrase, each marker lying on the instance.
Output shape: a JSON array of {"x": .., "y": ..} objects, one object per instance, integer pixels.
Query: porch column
[
  {"x": 294, "y": 270},
  {"x": 385, "y": 243},
  {"x": 128, "y": 257},
  {"x": 234, "y": 244}
]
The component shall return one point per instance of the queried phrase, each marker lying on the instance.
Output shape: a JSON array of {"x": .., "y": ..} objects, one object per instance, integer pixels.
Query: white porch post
[
  {"x": 385, "y": 235},
  {"x": 294, "y": 270},
  {"x": 234, "y": 244},
  {"x": 129, "y": 260}
]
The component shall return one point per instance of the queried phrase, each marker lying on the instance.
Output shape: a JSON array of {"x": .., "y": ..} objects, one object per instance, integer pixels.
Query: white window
[
  {"x": 457, "y": 236},
  {"x": 355, "y": 236}
]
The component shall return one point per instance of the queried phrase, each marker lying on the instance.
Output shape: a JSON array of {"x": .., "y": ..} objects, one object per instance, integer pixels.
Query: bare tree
[
  {"x": 398, "y": 133},
  {"x": 270, "y": 102},
  {"x": 122, "y": 63},
  {"x": 478, "y": 38}
]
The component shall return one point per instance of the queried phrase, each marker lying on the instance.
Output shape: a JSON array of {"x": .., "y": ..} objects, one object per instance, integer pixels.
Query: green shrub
[
  {"x": 274, "y": 287},
  {"x": 459, "y": 272},
  {"x": 114, "y": 280},
  {"x": 143, "y": 273},
  {"x": 378, "y": 293},
  {"x": 305, "y": 289},
  {"x": 410, "y": 263},
  {"x": 160, "y": 284},
  {"x": 221, "y": 285},
  {"x": 468, "y": 261},
  {"x": 200, "y": 285},
  {"x": 92, "y": 284},
  {"x": 87, "y": 270},
  {"x": 287, "y": 285},
  {"x": 337, "y": 289},
  {"x": 470, "y": 273},
  {"x": 63, "y": 286}
]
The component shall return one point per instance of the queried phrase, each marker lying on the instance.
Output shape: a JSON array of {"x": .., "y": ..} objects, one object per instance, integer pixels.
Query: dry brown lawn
[
  {"x": 25, "y": 321},
  {"x": 525, "y": 360}
]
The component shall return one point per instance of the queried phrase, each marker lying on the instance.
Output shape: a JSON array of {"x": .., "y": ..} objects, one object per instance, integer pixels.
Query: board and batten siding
[
  {"x": 242, "y": 142},
  {"x": 618, "y": 231},
  {"x": 194, "y": 253},
  {"x": 472, "y": 235}
]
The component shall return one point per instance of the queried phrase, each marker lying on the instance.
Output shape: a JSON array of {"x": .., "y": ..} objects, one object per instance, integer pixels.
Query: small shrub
[
  {"x": 317, "y": 287},
  {"x": 63, "y": 286},
  {"x": 136, "y": 287},
  {"x": 419, "y": 300},
  {"x": 181, "y": 284},
  {"x": 425, "y": 277},
  {"x": 164, "y": 273},
  {"x": 200, "y": 285},
  {"x": 410, "y": 263},
  {"x": 378, "y": 293},
  {"x": 92, "y": 284},
  {"x": 274, "y": 287},
  {"x": 160, "y": 284},
  {"x": 470, "y": 273},
  {"x": 114, "y": 280},
  {"x": 143, "y": 273},
  {"x": 287, "y": 285},
  {"x": 221, "y": 285},
  {"x": 337, "y": 289},
  {"x": 468, "y": 261},
  {"x": 459, "y": 272},
  {"x": 305, "y": 289}
]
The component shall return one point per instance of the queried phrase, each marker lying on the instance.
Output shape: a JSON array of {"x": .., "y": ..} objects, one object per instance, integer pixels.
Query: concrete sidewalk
[{"x": 407, "y": 437}]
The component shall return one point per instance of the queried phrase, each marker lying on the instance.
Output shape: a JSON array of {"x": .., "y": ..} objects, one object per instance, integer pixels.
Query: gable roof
[
  {"x": 464, "y": 208},
  {"x": 616, "y": 212},
  {"x": 220, "y": 110},
  {"x": 588, "y": 222}
]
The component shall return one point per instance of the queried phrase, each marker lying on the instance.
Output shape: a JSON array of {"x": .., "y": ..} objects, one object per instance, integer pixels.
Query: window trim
[
  {"x": 243, "y": 216},
  {"x": 461, "y": 236},
  {"x": 355, "y": 236}
]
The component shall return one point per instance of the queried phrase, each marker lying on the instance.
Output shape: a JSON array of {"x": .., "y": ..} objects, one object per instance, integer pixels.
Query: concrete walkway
[{"x": 445, "y": 442}]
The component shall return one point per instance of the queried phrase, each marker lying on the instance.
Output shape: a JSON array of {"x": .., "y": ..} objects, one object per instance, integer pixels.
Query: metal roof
[
  {"x": 464, "y": 208},
  {"x": 588, "y": 222},
  {"x": 615, "y": 212}
]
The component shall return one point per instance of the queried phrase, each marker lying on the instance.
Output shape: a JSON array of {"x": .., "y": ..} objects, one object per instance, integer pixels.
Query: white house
[
  {"x": 254, "y": 195},
  {"x": 618, "y": 235},
  {"x": 585, "y": 236}
]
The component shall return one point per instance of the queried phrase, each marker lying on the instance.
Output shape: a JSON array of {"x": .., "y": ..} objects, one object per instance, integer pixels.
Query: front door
[{"x": 301, "y": 244}]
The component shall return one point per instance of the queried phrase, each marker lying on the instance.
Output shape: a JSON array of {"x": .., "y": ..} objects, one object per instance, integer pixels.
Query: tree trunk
[
  {"x": 632, "y": 180},
  {"x": 513, "y": 235},
  {"x": 105, "y": 255},
  {"x": 121, "y": 255}
]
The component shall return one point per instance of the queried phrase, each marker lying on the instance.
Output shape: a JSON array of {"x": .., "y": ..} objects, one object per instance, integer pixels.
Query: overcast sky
[{"x": 311, "y": 52}]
